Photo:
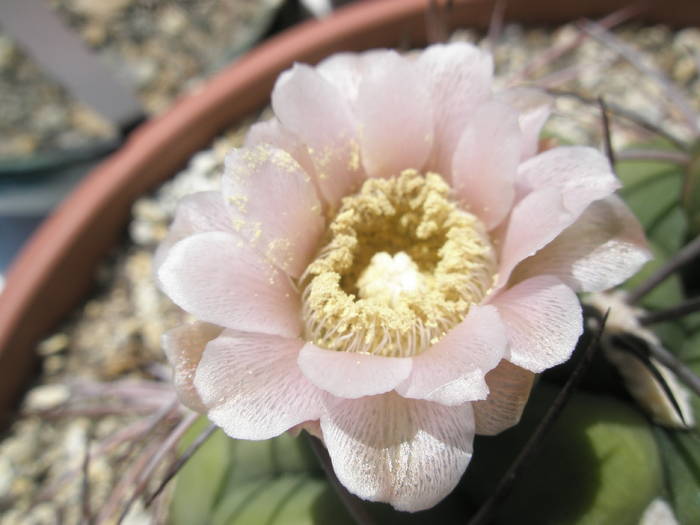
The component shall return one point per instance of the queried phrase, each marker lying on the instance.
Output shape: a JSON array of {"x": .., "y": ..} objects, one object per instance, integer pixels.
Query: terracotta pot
[{"x": 55, "y": 270}]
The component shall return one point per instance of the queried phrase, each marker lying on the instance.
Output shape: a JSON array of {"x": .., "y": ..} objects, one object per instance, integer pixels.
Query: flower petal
[
  {"x": 199, "y": 212},
  {"x": 555, "y": 187},
  {"x": 273, "y": 204},
  {"x": 452, "y": 371},
  {"x": 534, "y": 106},
  {"x": 344, "y": 71},
  {"x": 275, "y": 134},
  {"x": 352, "y": 375},
  {"x": 312, "y": 427},
  {"x": 543, "y": 319},
  {"x": 602, "y": 249},
  {"x": 509, "y": 387},
  {"x": 408, "y": 453},
  {"x": 183, "y": 347},
  {"x": 314, "y": 110},
  {"x": 459, "y": 79},
  {"x": 581, "y": 174},
  {"x": 534, "y": 222},
  {"x": 253, "y": 387},
  {"x": 486, "y": 160},
  {"x": 394, "y": 115},
  {"x": 220, "y": 279}
]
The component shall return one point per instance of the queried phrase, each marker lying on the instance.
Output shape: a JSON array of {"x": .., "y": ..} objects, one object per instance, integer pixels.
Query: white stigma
[{"x": 388, "y": 279}]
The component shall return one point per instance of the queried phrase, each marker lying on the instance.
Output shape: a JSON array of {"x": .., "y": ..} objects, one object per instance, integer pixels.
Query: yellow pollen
[{"x": 401, "y": 265}]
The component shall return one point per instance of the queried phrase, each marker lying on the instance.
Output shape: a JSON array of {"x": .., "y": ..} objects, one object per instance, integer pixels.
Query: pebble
[
  {"x": 20, "y": 444},
  {"x": 46, "y": 397},
  {"x": 7, "y": 53},
  {"x": 104, "y": 9},
  {"x": 7, "y": 475},
  {"x": 172, "y": 20},
  {"x": 53, "y": 344},
  {"x": 94, "y": 33},
  {"x": 144, "y": 71},
  {"x": 49, "y": 118},
  {"x": 89, "y": 122},
  {"x": 41, "y": 514}
]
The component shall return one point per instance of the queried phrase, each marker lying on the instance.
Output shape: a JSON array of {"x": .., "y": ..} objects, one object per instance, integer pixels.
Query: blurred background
[{"x": 77, "y": 76}]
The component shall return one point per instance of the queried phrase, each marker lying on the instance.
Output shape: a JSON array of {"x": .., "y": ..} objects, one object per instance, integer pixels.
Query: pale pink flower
[{"x": 388, "y": 264}]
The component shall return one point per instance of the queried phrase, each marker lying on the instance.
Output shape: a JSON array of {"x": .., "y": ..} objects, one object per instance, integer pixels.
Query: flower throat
[{"x": 401, "y": 265}]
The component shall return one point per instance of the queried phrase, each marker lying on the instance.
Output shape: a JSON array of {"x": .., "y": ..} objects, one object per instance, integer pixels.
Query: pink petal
[
  {"x": 581, "y": 174},
  {"x": 534, "y": 222},
  {"x": 394, "y": 115},
  {"x": 405, "y": 452},
  {"x": 344, "y": 71},
  {"x": 219, "y": 278},
  {"x": 509, "y": 388},
  {"x": 452, "y": 371},
  {"x": 534, "y": 106},
  {"x": 274, "y": 206},
  {"x": 459, "y": 79},
  {"x": 200, "y": 212},
  {"x": 352, "y": 375},
  {"x": 273, "y": 133},
  {"x": 486, "y": 160},
  {"x": 183, "y": 347},
  {"x": 543, "y": 319},
  {"x": 253, "y": 387},
  {"x": 555, "y": 187},
  {"x": 316, "y": 112},
  {"x": 602, "y": 249},
  {"x": 312, "y": 427}
]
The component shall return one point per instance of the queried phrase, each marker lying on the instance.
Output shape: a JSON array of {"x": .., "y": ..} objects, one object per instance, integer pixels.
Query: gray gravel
[{"x": 163, "y": 48}]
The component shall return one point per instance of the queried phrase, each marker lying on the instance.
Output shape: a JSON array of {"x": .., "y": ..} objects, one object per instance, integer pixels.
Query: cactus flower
[{"x": 387, "y": 265}]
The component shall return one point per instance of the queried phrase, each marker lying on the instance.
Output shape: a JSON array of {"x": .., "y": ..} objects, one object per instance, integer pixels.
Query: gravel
[{"x": 162, "y": 48}]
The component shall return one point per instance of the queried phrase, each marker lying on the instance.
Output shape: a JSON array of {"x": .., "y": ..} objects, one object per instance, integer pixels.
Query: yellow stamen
[{"x": 402, "y": 264}]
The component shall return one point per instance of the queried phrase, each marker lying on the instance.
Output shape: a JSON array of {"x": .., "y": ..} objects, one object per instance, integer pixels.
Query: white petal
[
  {"x": 509, "y": 387},
  {"x": 394, "y": 115},
  {"x": 452, "y": 371},
  {"x": 534, "y": 106},
  {"x": 486, "y": 161},
  {"x": 274, "y": 206},
  {"x": 344, "y": 71},
  {"x": 543, "y": 319},
  {"x": 199, "y": 212},
  {"x": 183, "y": 346},
  {"x": 253, "y": 387},
  {"x": 553, "y": 188},
  {"x": 317, "y": 113},
  {"x": 459, "y": 79},
  {"x": 405, "y": 452},
  {"x": 602, "y": 249},
  {"x": 352, "y": 375},
  {"x": 534, "y": 222},
  {"x": 581, "y": 174},
  {"x": 272, "y": 132},
  {"x": 220, "y": 279}
]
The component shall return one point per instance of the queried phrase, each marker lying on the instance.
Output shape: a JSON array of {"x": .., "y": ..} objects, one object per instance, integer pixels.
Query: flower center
[{"x": 401, "y": 265}]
